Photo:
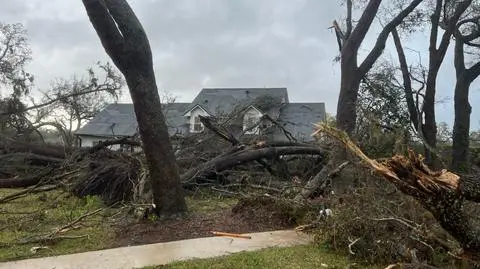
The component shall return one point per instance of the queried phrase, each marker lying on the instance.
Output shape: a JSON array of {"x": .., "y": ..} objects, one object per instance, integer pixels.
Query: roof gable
[{"x": 224, "y": 100}]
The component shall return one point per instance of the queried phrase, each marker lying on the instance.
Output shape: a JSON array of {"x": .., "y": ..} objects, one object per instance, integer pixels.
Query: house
[{"x": 263, "y": 112}]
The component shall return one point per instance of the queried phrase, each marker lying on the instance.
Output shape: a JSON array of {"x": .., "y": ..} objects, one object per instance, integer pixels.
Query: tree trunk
[
  {"x": 429, "y": 127},
  {"x": 461, "y": 126},
  {"x": 235, "y": 158},
  {"x": 352, "y": 74},
  {"x": 125, "y": 41},
  {"x": 436, "y": 57},
  {"x": 347, "y": 99},
  {"x": 164, "y": 177}
]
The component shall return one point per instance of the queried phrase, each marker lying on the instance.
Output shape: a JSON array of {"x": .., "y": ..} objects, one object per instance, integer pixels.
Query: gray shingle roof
[
  {"x": 121, "y": 119},
  {"x": 300, "y": 117},
  {"x": 215, "y": 100}
]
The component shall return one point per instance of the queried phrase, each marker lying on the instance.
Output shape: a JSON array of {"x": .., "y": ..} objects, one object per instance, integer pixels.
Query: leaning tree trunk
[{"x": 125, "y": 41}]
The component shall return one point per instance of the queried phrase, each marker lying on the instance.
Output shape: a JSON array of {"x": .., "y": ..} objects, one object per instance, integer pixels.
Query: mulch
[{"x": 245, "y": 217}]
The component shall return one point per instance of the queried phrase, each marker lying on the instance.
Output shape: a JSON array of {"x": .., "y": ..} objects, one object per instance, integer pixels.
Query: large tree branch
[
  {"x": 439, "y": 54},
  {"x": 224, "y": 162},
  {"x": 473, "y": 35},
  {"x": 407, "y": 82},
  {"x": 99, "y": 88},
  {"x": 358, "y": 34},
  {"x": 129, "y": 25},
  {"x": 474, "y": 71},
  {"x": 434, "y": 21},
  {"x": 459, "y": 58},
  {"x": 349, "y": 18},
  {"x": 377, "y": 50},
  {"x": 106, "y": 28}
]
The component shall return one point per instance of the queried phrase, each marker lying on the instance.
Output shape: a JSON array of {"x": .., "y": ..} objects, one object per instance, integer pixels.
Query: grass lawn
[
  {"x": 40, "y": 214},
  {"x": 35, "y": 215},
  {"x": 301, "y": 257}
]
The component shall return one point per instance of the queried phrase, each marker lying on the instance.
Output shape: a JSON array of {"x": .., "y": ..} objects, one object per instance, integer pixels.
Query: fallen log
[
  {"x": 13, "y": 146},
  {"x": 31, "y": 159},
  {"x": 441, "y": 192},
  {"x": 236, "y": 158},
  {"x": 22, "y": 182}
]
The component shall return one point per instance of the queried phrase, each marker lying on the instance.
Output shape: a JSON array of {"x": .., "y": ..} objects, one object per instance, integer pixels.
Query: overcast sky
[{"x": 214, "y": 43}]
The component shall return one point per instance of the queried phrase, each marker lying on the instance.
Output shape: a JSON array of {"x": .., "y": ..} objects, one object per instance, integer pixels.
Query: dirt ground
[{"x": 245, "y": 217}]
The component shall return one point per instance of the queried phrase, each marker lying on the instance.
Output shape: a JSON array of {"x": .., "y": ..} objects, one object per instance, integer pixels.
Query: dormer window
[
  {"x": 197, "y": 125},
  {"x": 251, "y": 121}
]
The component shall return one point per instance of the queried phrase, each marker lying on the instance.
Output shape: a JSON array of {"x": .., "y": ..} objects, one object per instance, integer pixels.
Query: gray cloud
[{"x": 208, "y": 43}]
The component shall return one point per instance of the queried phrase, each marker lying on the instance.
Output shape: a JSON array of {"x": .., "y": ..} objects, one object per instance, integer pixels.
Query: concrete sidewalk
[{"x": 163, "y": 253}]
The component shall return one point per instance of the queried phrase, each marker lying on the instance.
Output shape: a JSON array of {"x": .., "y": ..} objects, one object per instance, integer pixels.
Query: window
[
  {"x": 197, "y": 125},
  {"x": 249, "y": 121}
]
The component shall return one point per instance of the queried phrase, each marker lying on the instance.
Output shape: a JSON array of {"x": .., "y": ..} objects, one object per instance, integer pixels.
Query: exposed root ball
[{"x": 111, "y": 175}]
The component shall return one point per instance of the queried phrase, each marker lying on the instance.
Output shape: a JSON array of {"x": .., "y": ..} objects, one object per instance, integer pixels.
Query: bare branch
[
  {"x": 379, "y": 46},
  {"x": 407, "y": 83}
]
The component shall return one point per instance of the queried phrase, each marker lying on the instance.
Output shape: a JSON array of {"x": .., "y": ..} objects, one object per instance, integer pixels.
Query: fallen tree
[
  {"x": 121, "y": 176},
  {"x": 440, "y": 192}
]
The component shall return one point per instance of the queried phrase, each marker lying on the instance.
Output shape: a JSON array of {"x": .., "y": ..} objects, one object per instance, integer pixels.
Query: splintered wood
[
  {"x": 231, "y": 235},
  {"x": 405, "y": 170}
]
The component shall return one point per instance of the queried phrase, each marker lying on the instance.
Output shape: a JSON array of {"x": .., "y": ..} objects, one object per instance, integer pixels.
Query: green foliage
[{"x": 382, "y": 100}]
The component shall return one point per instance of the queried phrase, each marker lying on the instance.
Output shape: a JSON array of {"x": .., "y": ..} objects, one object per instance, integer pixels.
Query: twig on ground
[
  {"x": 352, "y": 242},
  {"x": 53, "y": 236},
  {"x": 20, "y": 194}
]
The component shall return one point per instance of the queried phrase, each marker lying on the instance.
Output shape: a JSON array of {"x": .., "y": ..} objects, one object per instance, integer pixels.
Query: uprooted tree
[{"x": 126, "y": 42}]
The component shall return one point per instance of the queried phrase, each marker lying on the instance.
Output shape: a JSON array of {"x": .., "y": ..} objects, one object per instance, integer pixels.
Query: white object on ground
[{"x": 326, "y": 212}]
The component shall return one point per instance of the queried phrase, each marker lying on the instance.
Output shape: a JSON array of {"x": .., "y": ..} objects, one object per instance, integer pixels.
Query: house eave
[{"x": 188, "y": 113}]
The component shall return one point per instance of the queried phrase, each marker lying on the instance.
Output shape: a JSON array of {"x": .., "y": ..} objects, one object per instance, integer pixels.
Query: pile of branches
[
  {"x": 123, "y": 176},
  {"x": 442, "y": 193},
  {"x": 111, "y": 175}
]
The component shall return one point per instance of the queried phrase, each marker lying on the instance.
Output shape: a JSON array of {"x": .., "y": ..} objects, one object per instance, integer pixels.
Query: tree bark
[
  {"x": 463, "y": 109},
  {"x": 461, "y": 126},
  {"x": 125, "y": 41},
  {"x": 436, "y": 57},
  {"x": 351, "y": 73},
  {"x": 240, "y": 157}
]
